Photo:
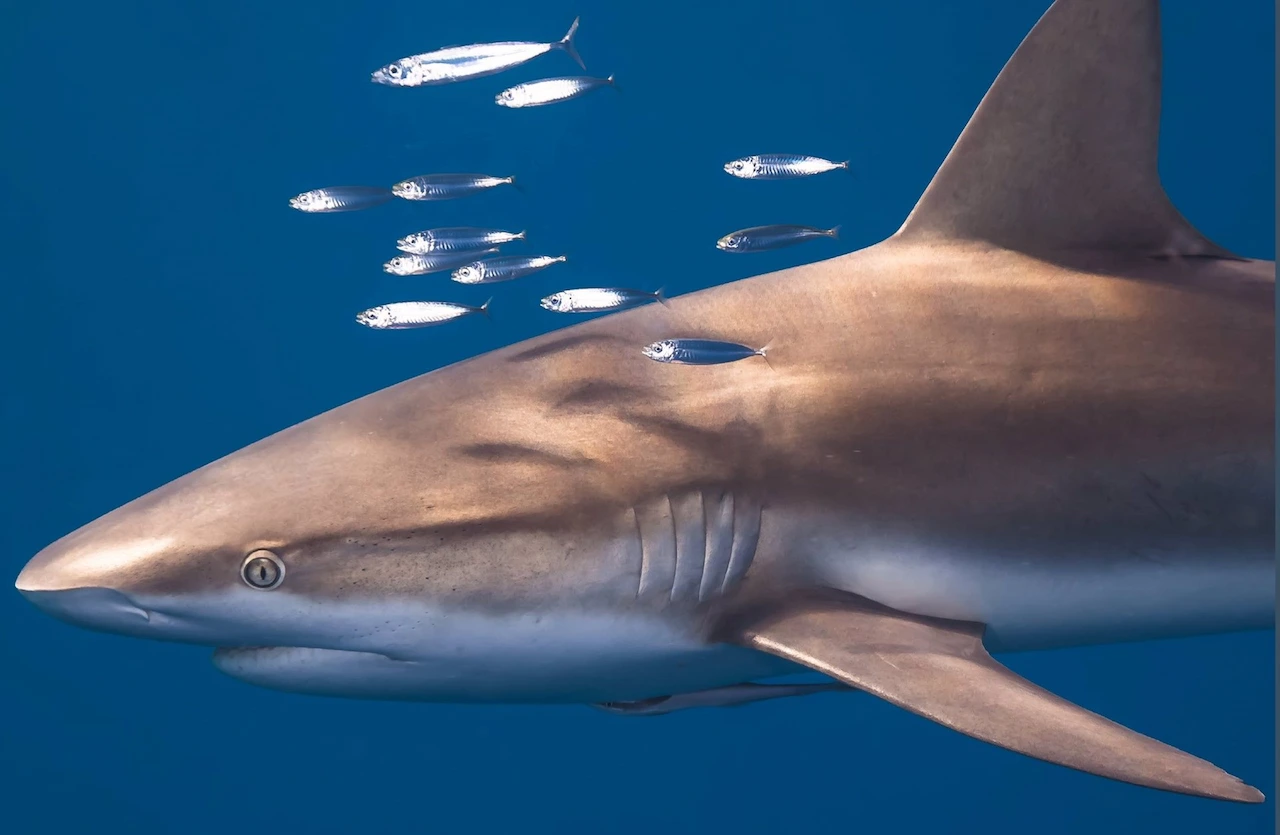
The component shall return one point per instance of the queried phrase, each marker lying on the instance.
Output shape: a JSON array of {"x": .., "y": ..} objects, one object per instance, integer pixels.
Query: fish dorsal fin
[{"x": 1061, "y": 153}]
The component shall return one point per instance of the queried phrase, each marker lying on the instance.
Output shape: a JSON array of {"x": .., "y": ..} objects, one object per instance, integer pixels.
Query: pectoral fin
[{"x": 939, "y": 669}]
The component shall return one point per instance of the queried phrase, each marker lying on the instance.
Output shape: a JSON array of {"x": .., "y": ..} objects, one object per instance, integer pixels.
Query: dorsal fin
[{"x": 1061, "y": 153}]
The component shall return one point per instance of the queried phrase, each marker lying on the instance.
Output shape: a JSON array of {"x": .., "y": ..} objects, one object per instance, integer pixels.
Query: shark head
[{"x": 413, "y": 542}]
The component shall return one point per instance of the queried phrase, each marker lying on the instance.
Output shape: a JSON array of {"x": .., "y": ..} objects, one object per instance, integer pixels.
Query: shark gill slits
[{"x": 262, "y": 570}]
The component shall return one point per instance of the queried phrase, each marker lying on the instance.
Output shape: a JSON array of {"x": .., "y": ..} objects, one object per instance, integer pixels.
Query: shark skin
[{"x": 1040, "y": 415}]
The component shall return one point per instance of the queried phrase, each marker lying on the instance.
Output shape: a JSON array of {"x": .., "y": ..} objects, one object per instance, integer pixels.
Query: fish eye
[
  {"x": 393, "y": 71},
  {"x": 262, "y": 570}
]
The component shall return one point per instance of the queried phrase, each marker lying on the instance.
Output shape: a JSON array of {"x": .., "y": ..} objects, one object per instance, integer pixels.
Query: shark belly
[
  {"x": 547, "y": 657},
  {"x": 1035, "y": 593}
]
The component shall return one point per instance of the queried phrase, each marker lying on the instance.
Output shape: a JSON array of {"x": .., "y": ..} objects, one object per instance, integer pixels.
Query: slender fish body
[
  {"x": 550, "y": 90},
  {"x": 405, "y": 315},
  {"x": 781, "y": 166},
  {"x": 700, "y": 351},
  {"x": 341, "y": 199},
  {"x": 459, "y": 63},
  {"x": 597, "y": 299},
  {"x": 446, "y": 186},
  {"x": 759, "y": 238},
  {"x": 504, "y": 268},
  {"x": 418, "y": 264},
  {"x": 459, "y": 239}
]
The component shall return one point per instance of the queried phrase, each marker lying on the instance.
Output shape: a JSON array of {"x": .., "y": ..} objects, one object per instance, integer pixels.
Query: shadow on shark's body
[{"x": 1040, "y": 415}]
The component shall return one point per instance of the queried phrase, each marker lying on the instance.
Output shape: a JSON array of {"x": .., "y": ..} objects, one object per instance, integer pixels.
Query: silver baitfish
[
  {"x": 459, "y": 63},
  {"x": 504, "y": 268},
  {"x": 418, "y": 264},
  {"x": 759, "y": 238},
  {"x": 446, "y": 186},
  {"x": 701, "y": 351},
  {"x": 550, "y": 90},
  {"x": 404, "y": 315},
  {"x": 456, "y": 239},
  {"x": 596, "y": 299},
  {"x": 341, "y": 199},
  {"x": 781, "y": 166}
]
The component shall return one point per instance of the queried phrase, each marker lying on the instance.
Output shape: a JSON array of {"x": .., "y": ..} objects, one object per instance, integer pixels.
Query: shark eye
[{"x": 262, "y": 570}]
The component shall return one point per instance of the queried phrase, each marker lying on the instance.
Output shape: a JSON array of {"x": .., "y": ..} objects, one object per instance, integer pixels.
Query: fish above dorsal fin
[
  {"x": 1061, "y": 154},
  {"x": 940, "y": 670}
]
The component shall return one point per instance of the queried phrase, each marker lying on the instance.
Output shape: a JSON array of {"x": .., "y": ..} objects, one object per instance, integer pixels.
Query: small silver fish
[
  {"x": 701, "y": 351},
  {"x": 459, "y": 63},
  {"x": 596, "y": 299},
  {"x": 456, "y": 239},
  {"x": 759, "y": 238},
  {"x": 404, "y": 315},
  {"x": 341, "y": 199},
  {"x": 550, "y": 90},
  {"x": 504, "y": 268},
  {"x": 781, "y": 166},
  {"x": 418, "y": 264},
  {"x": 446, "y": 186}
]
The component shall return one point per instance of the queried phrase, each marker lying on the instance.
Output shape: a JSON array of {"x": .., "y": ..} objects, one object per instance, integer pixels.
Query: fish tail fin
[
  {"x": 566, "y": 44},
  {"x": 612, "y": 82},
  {"x": 848, "y": 167},
  {"x": 484, "y": 308},
  {"x": 763, "y": 353},
  {"x": 660, "y": 296},
  {"x": 518, "y": 186},
  {"x": 521, "y": 236},
  {"x": 562, "y": 258},
  {"x": 833, "y": 232}
]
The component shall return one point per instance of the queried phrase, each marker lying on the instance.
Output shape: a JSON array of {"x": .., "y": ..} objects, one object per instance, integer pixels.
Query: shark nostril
[{"x": 96, "y": 608}]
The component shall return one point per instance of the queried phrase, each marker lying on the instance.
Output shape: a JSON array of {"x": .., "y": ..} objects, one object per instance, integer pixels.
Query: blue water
[{"x": 163, "y": 307}]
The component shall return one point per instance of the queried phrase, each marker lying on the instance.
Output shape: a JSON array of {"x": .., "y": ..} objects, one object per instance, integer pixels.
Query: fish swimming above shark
[{"x": 1039, "y": 415}]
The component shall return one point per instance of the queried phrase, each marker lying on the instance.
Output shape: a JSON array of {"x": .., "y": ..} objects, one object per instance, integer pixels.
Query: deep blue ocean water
[{"x": 165, "y": 307}]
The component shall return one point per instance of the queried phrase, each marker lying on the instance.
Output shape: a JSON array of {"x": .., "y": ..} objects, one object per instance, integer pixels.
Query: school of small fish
[{"x": 462, "y": 251}]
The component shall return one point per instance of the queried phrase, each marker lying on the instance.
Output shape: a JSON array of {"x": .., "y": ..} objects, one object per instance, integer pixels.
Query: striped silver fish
[
  {"x": 758, "y": 238},
  {"x": 596, "y": 299},
  {"x": 340, "y": 199},
  {"x": 504, "y": 268},
  {"x": 404, "y": 315},
  {"x": 701, "y": 351},
  {"x": 417, "y": 264},
  {"x": 551, "y": 90},
  {"x": 781, "y": 166},
  {"x": 446, "y": 186},
  {"x": 456, "y": 239}
]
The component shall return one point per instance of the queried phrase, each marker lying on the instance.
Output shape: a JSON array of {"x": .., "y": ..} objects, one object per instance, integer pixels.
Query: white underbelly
[
  {"x": 1060, "y": 597},
  {"x": 547, "y": 657}
]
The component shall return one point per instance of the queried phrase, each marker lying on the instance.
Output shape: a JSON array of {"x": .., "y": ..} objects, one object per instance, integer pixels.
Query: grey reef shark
[{"x": 1041, "y": 414}]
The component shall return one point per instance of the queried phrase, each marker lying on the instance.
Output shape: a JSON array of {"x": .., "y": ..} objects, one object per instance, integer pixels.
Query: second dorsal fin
[{"x": 1061, "y": 153}]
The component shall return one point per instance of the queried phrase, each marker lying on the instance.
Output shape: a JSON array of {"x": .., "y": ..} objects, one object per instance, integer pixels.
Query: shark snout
[{"x": 85, "y": 581}]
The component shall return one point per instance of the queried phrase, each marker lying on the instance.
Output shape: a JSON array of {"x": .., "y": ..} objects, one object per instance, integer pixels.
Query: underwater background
[{"x": 164, "y": 306}]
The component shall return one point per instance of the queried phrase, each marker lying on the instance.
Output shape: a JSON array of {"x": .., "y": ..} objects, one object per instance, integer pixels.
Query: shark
[{"x": 1039, "y": 415}]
